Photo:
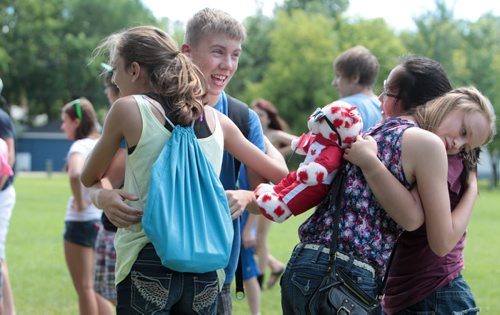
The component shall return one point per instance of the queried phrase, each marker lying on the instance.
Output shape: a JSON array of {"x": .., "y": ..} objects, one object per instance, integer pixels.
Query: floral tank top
[{"x": 366, "y": 232}]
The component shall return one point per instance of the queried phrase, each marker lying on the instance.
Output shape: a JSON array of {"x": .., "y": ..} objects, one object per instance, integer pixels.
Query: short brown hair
[
  {"x": 358, "y": 61},
  {"x": 210, "y": 21}
]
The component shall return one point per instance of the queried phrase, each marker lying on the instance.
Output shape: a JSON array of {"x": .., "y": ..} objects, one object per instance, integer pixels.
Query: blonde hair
[
  {"x": 173, "y": 75},
  {"x": 213, "y": 21},
  {"x": 467, "y": 99}
]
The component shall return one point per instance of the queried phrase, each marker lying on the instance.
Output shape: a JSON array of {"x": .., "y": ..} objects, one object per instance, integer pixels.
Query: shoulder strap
[
  {"x": 238, "y": 112},
  {"x": 336, "y": 191},
  {"x": 160, "y": 110}
]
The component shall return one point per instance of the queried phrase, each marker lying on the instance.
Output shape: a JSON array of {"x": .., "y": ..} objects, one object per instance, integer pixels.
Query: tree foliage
[
  {"x": 299, "y": 73},
  {"x": 45, "y": 49},
  {"x": 328, "y": 8},
  {"x": 48, "y": 45}
]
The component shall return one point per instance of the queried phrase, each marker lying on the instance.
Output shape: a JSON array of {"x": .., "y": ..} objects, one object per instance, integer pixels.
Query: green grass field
[{"x": 42, "y": 284}]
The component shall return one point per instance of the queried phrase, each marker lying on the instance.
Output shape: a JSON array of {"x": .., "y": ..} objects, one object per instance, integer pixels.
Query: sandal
[{"x": 274, "y": 277}]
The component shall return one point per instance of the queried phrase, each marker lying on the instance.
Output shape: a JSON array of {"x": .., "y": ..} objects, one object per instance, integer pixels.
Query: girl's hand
[
  {"x": 112, "y": 202},
  {"x": 363, "y": 152}
]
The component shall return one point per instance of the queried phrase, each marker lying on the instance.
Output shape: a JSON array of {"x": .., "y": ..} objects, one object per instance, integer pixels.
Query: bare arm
[
  {"x": 249, "y": 154},
  {"x": 463, "y": 211},
  {"x": 107, "y": 162},
  {"x": 241, "y": 199},
  {"x": 430, "y": 164},
  {"x": 399, "y": 203},
  {"x": 424, "y": 157},
  {"x": 75, "y": 165},
  {"x": 282, "y": 140}
]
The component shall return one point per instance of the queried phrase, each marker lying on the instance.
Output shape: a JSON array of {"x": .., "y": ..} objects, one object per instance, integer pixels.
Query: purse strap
[{"x": 337, "y": 192}]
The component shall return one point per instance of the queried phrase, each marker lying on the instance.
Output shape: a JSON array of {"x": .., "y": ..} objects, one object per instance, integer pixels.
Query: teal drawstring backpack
[{"x": 186, "y": 215}]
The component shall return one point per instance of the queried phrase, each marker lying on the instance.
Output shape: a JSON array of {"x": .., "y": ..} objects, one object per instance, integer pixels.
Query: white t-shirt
[{"x": 83, "y": 147}]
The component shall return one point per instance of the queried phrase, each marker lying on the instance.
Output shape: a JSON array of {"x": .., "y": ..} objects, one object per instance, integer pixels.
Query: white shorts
[{"x": 7, "y": 202}]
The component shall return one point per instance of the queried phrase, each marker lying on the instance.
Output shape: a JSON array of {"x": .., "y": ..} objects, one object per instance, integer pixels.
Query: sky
[{"x": 397, "y": 13}]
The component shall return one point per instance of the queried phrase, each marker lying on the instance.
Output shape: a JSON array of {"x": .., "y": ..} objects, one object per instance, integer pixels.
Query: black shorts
[{"x": 82, "y": 233}]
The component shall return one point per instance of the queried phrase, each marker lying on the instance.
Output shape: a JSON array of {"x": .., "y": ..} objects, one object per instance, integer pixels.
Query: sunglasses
[{"x": 78, "y": 109}]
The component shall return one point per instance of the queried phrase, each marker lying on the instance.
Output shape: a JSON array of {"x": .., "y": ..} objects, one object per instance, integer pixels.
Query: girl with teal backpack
[{"x": 146, "y": 60}]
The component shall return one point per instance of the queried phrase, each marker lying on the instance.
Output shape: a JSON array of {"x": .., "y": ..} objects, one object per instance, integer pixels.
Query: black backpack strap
[{"x": 238, "y": 112}]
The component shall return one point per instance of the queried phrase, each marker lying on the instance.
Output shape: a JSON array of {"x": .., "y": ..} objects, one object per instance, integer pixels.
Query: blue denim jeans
[
  {"x": 454, "y": 298},
  {"x": 304, "y": 273},
  {"x": 151, "y": 288}
]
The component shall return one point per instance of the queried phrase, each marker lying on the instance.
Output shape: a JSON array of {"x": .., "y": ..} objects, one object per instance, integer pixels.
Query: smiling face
[
  {"x": 217, "y": 56},
  {"x": 122, "y": 77},
  {"x": 461, "y": 130}
]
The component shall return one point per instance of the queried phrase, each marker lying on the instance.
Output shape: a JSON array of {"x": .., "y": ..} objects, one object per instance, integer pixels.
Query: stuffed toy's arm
[
  {"x": 301, "y": 144},
  {"x": 317, "y": 171}
]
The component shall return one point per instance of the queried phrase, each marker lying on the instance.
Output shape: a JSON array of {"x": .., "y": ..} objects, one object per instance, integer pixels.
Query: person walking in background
[
  {"x": 356, "y": 71},
  {"x": 105, "y": 254},
  {"x": 7, "y": 202},
  {"x": 82, "y": 221},
  {"x": 277, "y": 131}
]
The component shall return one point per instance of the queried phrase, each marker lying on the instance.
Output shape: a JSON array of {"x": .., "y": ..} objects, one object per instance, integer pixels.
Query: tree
[
  {"x": 298, "y": 77},
  {"x": 255, "y": 57},
  {"x": 328, "y": 8},
  {"x": 49, "y": 43},
  {"x": 469, "y": 51},
  {"x": 375, "y": 35},
  {"x": 482, "y": 55}
]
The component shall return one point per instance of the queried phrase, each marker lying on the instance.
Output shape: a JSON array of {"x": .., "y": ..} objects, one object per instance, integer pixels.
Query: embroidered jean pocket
[
  {"x": 149, "y": 295},
  {"x": 205, "y": 294}
]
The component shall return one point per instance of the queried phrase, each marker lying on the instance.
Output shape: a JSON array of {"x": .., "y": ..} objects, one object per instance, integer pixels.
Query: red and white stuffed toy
[{"x": 332, "y": 129}]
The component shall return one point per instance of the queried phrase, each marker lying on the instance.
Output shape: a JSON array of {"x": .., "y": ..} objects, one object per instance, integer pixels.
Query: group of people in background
[{"x": 409, "y": 189}]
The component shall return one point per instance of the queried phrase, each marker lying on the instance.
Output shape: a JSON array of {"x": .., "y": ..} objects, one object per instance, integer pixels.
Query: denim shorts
[
  {"x": 82, "y": 233},
  {"x": 151, "y": 288},
  {"x": 304, "y": 273},
  {"x": 454, "y": 298}
]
